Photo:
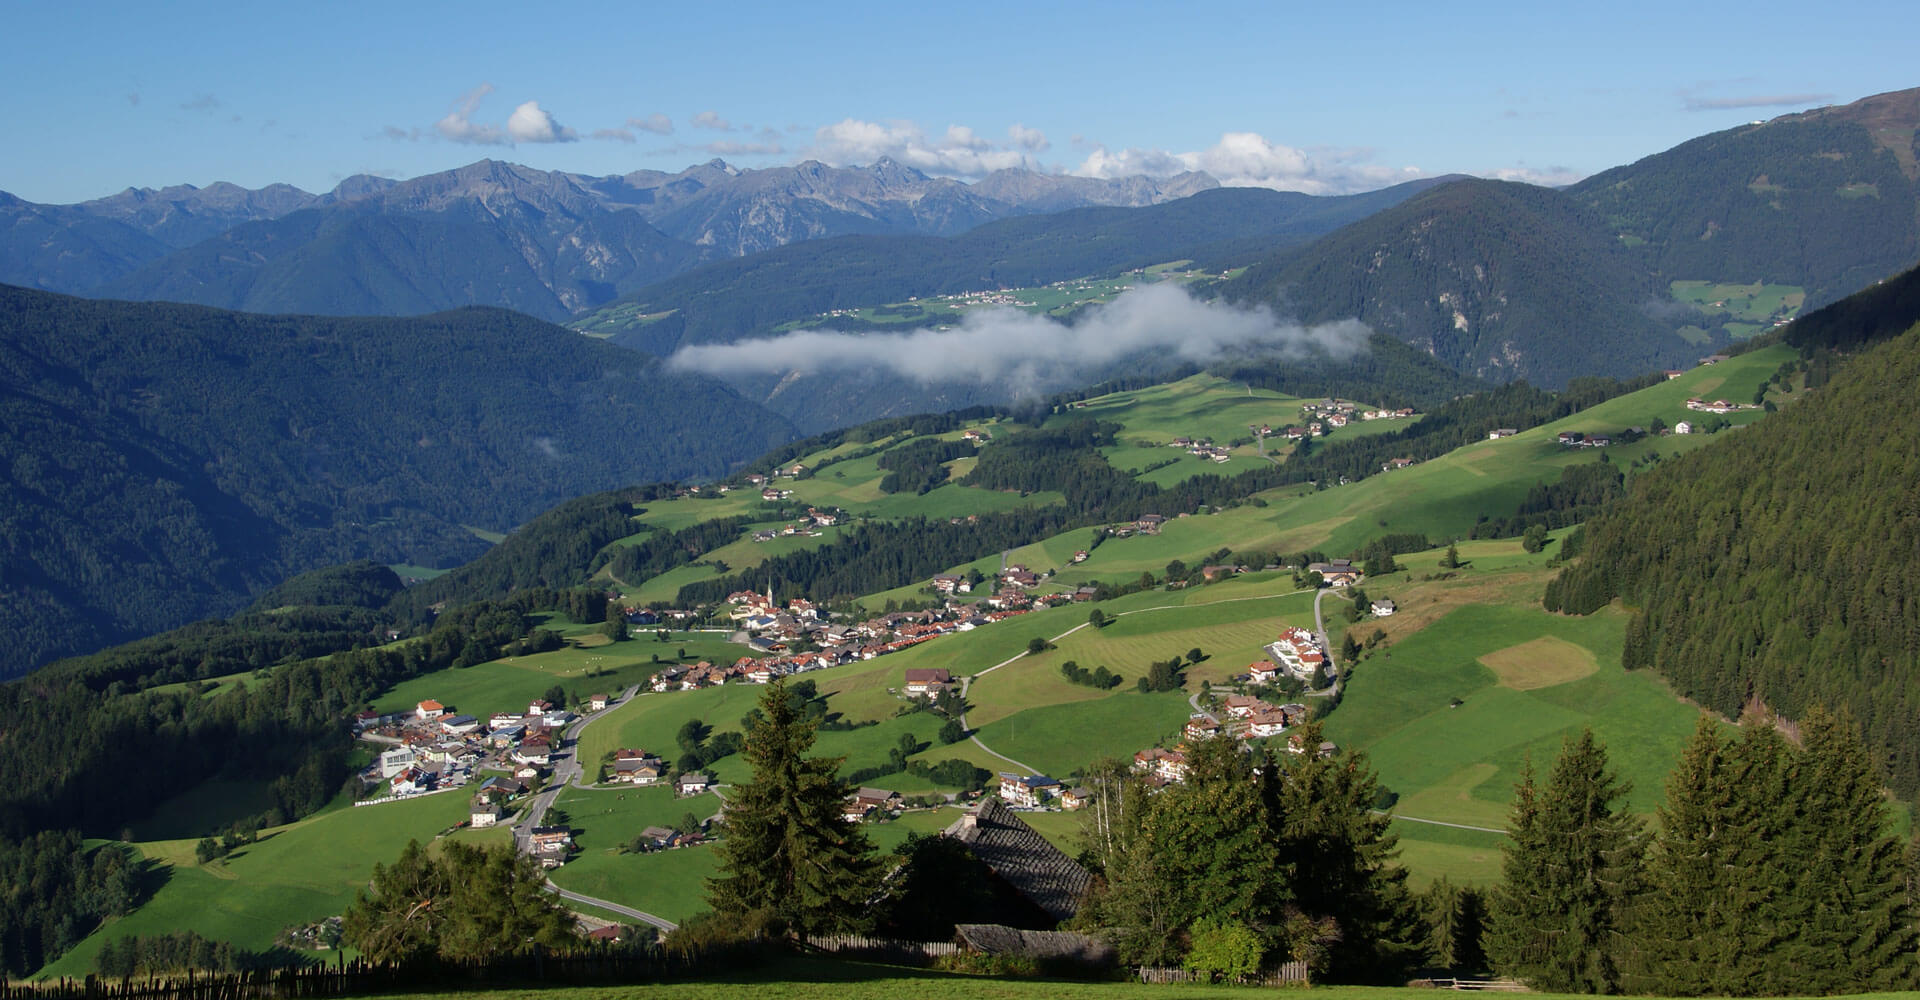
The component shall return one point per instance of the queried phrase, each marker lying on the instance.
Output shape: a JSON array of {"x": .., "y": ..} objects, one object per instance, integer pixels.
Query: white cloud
[
  {"x": 459, "y": 125},
  {"x": 711, "y": 121},
  {"x": 1248, "y": 159},
  {"x": 530, "y": 123},
  {"x": 1543, "y": 176},
  {"x": 959, "y": 151},
  {"x": 1030, "y": 139},
  {"x": 612, "y": 135},
  {"x": 656, "y": 123},
  {"x": 1030, "y": 354}
]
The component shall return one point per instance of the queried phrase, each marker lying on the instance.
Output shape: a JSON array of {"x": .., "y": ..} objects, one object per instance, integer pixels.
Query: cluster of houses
[
  {"x": 809, "y": 525},
  {"x": 1336, "y": 573},
  {"x": 633, "y": 766},
  {"x": 1717, "y": 406},
  {"x": 775, "y": 632},
  {"x": 1204, "y": 448},
  {"x": 1577, "y": 439},
  {"x": 432, "y": 747},
  {"x": 1244, "y": 717},
  {"x": 1297, "y": 652}
]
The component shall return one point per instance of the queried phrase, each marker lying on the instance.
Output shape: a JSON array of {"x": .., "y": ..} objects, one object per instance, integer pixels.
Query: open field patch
[{"x": 1540, "y": 663}]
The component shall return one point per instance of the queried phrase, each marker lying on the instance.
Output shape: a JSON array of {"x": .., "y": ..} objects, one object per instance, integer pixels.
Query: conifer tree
[
  {"x": 788, "y": 858},
  {"x": 1684, "y": 938},
  {"x": 1859, "y": 933},
  {"x": 1345, "y": 860},
  {"x": 1569, "y": 867}
]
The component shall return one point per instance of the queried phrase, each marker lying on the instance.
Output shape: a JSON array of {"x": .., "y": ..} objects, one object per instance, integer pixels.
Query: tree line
[
  {"x": 1778, "y": 567},
  {"x": 1772, "y": 870}
]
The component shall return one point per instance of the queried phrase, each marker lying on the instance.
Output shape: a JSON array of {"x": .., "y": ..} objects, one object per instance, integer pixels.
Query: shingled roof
[{"x": 1023, "y": 858}]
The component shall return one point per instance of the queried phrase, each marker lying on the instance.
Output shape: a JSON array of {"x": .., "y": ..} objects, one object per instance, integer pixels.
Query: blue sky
[{"x": 1321, "y": 99}]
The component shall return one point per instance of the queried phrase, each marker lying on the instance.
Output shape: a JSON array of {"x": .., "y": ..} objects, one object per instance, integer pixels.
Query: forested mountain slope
[
  {"x": 1827, "y": 199},
  {"x": 1782, "y": 567},
  {"x": 166, "y": 462},
  {"x": 1499, "y": 280},
  {"x": 727, "y": 300}
]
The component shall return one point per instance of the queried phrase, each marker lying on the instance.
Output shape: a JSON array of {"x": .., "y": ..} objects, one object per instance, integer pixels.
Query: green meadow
[
  {"x": 295, "y": 874},
  {"x": 1758, "y": 303}
]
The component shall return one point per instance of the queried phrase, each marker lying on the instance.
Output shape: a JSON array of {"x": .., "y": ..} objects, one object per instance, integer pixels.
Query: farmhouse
[
  {"x": 550, "y": 845},
  {"x": 1384, "y": 608},
  {"x": 927, "y": 682},
  {"x": 1167, "y": 765},
  {"x": 429, "y": 709},
  {"x": 1337, "y": 573},
  {"x": 483, "y": 814},
  {"x": 1201, "y": 727},
  {"x": 692, "y": 783}
]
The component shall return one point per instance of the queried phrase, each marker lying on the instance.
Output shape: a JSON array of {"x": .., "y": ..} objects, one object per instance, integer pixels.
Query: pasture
[{"x": 295, "y": 874}]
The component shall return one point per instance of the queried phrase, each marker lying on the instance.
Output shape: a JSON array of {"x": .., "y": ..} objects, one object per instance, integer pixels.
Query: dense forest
[
  {"x": 1779, "y": 567},
  {"x": 1497, "y": 280},
  {"x": 167, "y": 462},
  {"x": 1816, "y": 199}
]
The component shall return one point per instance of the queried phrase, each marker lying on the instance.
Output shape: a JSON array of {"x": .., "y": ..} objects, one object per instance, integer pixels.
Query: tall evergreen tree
[
  {"x": 1859, "y": 933},
  {"x": 1345, "y": 860},
  {"x": 1685, "y": 938},
  {"x": 789, "y": 859},
  {"x": 1195, "y": 851},
  {"x": 1569, "y": 867}
]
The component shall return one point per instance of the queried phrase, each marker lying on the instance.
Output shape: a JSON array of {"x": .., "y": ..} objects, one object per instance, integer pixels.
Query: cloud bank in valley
[{"x": 1027, "y": 354}]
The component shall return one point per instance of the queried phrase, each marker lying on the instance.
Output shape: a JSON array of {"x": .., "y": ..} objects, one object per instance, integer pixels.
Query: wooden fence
[
  {"x": 891, "y": 950},
  {"x": 1290, "y": 974},
  {"x": 358, "y": 978}
]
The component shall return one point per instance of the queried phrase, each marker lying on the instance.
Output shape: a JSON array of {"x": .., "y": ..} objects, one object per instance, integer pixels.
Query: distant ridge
[{"x": 549, "y": 243}]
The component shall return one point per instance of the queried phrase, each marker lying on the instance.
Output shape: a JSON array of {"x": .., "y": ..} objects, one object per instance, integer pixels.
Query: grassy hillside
[
  {"x": 295, "y": 874},
  {"x": 818, "y": 979},
  {"x": 1460, "y": 687}
]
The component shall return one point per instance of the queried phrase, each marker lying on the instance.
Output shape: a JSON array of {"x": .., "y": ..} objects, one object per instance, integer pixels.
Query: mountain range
[{"x": 547, "y": 243}]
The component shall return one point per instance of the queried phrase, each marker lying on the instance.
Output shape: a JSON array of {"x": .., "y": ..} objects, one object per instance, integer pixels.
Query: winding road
[
  {"x": 967, "y": 682},
  {"x": 1320, "y": 631},
  {"x": 567, "y": 772}
]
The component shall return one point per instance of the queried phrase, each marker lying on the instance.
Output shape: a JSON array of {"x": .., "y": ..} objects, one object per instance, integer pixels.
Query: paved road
[
  {"x": 625, "y": 911},
  {"x": 1435, "y": 822},
  {"x": 567, "y": 772},
  {"x": 1320, "y": 632}
]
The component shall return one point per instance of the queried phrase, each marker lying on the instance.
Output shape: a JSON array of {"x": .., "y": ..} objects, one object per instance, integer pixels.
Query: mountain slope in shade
[
  {"x": 1826, "y": 199},
  {"x": 1495, "y": 279},
  {"x": 165, "y": 462},
  {"x": 729, "y": 300}
]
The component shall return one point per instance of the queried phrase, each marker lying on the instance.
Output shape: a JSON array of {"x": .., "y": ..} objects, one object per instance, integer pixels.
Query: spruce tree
[
  {"x": 1859, "y": 933},
  {"x": 788, "y": 858},
  {"x": 1346, "y": 860},
  {"x": 1569, "y": 867},
  {"x": 1684, "y": 940}
]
